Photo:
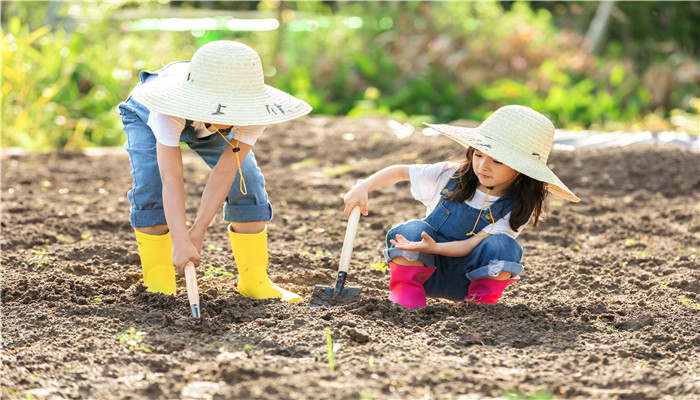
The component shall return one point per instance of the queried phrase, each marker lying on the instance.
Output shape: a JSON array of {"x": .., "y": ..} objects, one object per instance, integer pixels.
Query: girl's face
[{"x": 492, "y": 174}]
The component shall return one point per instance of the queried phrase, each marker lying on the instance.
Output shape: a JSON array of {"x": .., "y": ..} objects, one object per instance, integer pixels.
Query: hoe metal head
[{"x": 335, "y": 296}]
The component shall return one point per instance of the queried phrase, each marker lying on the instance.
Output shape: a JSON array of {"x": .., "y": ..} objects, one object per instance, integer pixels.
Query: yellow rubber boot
[
  {"x": 250, "y": 252},
  {"x": 156, "y": 262}
]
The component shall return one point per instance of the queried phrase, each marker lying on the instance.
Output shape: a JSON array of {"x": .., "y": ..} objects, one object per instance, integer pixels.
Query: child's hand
[
  {"x": 426, "y": 245},
  {"x": 183, "y": 252},
  {"x": 357, "y": 196}
]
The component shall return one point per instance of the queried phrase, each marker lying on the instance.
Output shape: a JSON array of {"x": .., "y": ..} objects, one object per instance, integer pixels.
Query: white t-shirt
[
  {"x": 167, "y": 128},
  {"x": 427, "y": 182}
]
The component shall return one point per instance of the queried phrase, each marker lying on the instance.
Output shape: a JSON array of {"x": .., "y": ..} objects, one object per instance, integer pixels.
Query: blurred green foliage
[{"x": 67, "y": 65}]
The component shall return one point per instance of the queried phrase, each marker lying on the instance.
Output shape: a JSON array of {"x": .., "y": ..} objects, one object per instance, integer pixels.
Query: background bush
[{"x": 67, "y": 65}]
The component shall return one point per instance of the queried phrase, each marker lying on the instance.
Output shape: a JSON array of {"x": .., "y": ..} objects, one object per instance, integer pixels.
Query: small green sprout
[
  {"x": 690, "y": 303},
  {"x": 41, "y": 257},
  {"x": 213, "y": 272},
  {"x": 338, "y": 170},
  {"x": 379, "y": 266},
  {"x": 15, "y": 394},
  {"x": 641, "y": 253},
  {"x": 248, "y": 347},
  {"x": 331, "y": 356},
  {"x": 133, "y": 339},
  {"x": 690, "y": 251},
  {"x": 97, "y": 299},
  {"x": 321, "y": 253},
  {"x": 602, "y": 326},
  {"x": 303, "y": 163}
]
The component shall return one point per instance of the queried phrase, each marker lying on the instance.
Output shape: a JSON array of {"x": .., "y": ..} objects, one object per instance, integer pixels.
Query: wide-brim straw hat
[
  {"x": 224, "y": 84},
  {"x": 517, "y": 136}
]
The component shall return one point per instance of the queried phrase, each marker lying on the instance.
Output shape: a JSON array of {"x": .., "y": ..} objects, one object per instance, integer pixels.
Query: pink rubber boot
[
  {"x": 487, "y": 290},
  {"x": 406, "y": 284}
]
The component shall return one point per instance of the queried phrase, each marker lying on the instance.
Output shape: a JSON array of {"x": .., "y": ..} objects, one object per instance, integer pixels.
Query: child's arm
[
  {"x": 359, "y": 194},
  {"x": 172, "y": 176},
  {"x": 457, "y": 248},
  {"x": 218, "y": 185}
]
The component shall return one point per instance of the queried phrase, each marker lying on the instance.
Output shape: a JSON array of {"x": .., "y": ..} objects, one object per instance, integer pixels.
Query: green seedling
[
  {"x": 338, "y": 170},
  {"x": 248, "y": 347},
  {"x": 690, "y": 251},
  {"x": 690, "y": 303},
  {"x": 379, "y": 266},
  {"x": 641, "y": 253},
  {"x": 303, "y": 163},
  {"x": 15, "y": 394},
  {"x": 41, "y": 257},
  {"x": 214, "y": 272},
  {"x": 602, "y": 326},
  {"x": 321, "y": 253},
  {"x": 133, "y": 339},
  {"x": 331, "y": 356},
  {"x": 539, "y": 395}
]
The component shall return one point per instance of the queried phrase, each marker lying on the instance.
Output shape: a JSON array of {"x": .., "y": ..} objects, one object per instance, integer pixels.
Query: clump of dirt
[{"x": 607, "y": 306}]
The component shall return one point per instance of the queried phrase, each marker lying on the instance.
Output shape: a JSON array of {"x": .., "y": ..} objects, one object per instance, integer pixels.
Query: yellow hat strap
[{"x": 236, "y": 149}]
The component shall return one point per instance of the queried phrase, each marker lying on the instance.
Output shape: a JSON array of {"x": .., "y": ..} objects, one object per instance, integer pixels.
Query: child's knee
[
  {"x": 410, "y": 230},
  {"x": 501, "y": 247}
]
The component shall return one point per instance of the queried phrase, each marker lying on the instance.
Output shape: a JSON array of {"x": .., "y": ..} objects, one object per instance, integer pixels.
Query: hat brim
[
  {"x": 526, "y": 165},
  {"x": 171, "y": 95}
]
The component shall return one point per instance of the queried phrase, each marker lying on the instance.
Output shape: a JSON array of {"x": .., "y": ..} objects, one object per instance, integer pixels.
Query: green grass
[{"x": 331, "y": 356}]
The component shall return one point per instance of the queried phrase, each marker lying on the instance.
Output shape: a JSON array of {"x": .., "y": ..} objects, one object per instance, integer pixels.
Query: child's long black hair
[{"x": 528, "y": 194}]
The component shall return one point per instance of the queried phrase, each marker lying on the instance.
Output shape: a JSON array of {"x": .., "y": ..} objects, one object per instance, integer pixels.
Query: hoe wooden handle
[
  {"x": 349, "y": 239},
  {"x": 192, "y": 290}
]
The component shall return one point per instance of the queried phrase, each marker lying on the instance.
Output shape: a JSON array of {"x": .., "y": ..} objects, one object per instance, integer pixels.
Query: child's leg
[
  {"x": 247, "y": 209},
  {"x": 497, "y": 259},
  {"x": 408, "y": 269},
  {"x": 146, "y": 214}
]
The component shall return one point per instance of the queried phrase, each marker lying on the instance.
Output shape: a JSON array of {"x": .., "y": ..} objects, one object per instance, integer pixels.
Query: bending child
[
  {"x": 218, "y": 104},
  {"x": 465, "y": 248}
]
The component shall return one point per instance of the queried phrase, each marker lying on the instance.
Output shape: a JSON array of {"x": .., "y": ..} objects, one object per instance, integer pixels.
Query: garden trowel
[{"x": 340, "y": 295}]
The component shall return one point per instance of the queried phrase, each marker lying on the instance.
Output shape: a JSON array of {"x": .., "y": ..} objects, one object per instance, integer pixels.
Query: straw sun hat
[
  {"x": 224, "y": 84},
  {"x": 517, "y": 136}
]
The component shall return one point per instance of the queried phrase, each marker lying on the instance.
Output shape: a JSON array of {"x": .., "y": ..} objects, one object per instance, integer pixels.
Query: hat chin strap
[
  {"x": 488, "y": 205},
  {"x": 236, "y": 149}
]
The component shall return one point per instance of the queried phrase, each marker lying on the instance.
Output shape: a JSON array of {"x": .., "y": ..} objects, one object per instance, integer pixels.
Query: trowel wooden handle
[
  {"x": 349, "y": 238},
  {"x": 192, "y": 290}
]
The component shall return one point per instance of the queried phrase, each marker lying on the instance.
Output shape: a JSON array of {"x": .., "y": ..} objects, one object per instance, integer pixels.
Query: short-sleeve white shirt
[{"x": 427, "y": 182}]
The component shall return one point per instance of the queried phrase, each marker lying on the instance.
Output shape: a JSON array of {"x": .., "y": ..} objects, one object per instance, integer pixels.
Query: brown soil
[{"x": 607, "y": 307}]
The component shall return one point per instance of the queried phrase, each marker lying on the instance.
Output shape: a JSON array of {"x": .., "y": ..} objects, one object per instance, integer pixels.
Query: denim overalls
[
  {"x": 146, "y": 195},
  {"x": 451, "y": 221}
]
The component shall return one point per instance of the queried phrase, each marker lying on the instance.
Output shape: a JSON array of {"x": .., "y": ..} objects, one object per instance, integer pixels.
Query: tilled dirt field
[{"x": 607, "y": 307}]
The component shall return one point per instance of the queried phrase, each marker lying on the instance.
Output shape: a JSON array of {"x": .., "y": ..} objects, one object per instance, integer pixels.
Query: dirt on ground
[{"x": 607, "y": 307}]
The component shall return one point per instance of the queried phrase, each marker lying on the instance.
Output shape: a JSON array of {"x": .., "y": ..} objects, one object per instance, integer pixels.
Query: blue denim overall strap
[
  {"x": 460, "y": 217},
  {"x": 451, "y": 221},
  {"x": 239, "y": 207}
]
